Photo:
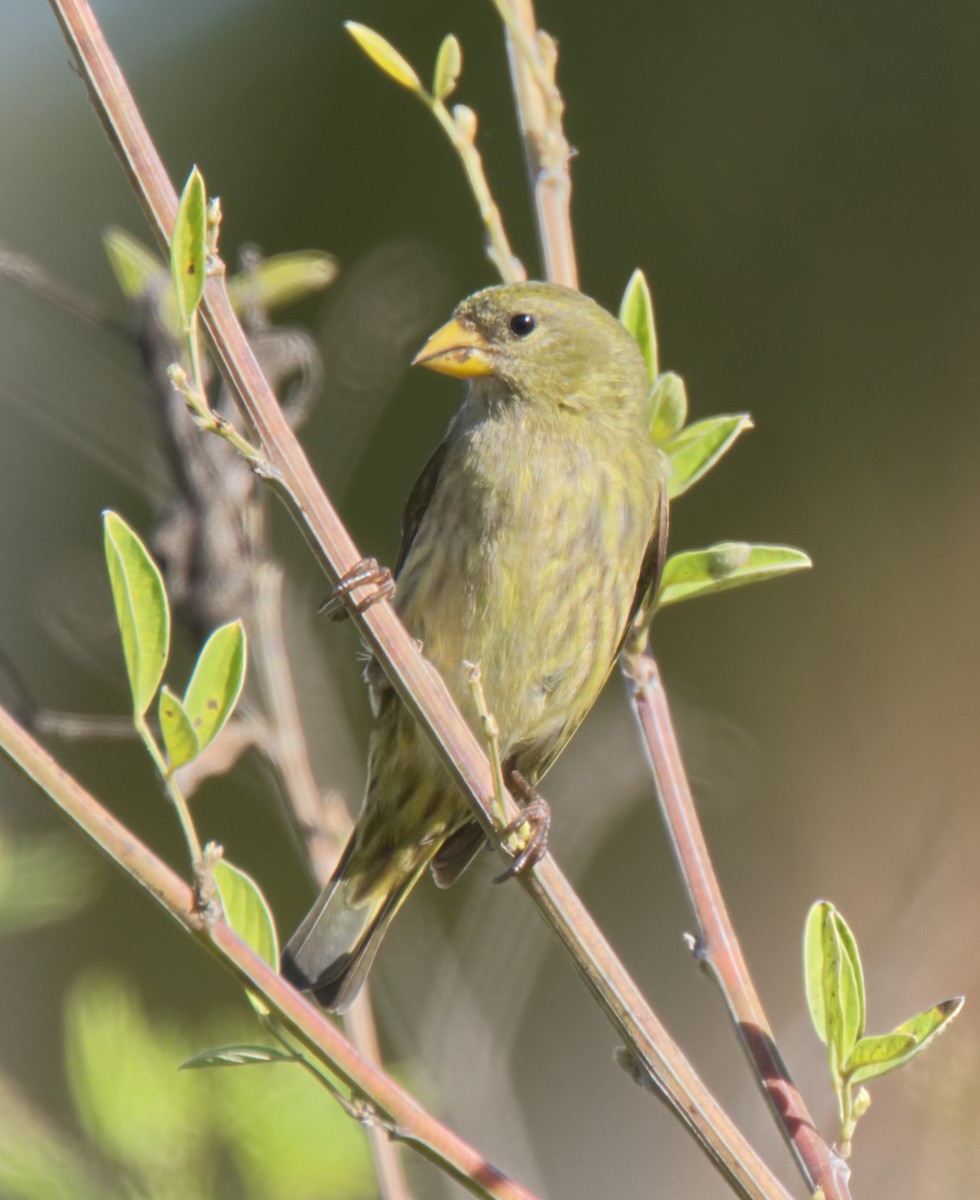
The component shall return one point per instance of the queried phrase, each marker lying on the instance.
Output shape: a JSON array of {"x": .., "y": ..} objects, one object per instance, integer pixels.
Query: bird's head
[{"x": 548, "y": 345}]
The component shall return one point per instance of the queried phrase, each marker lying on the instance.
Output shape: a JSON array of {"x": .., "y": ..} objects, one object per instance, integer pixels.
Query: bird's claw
[
  {"x": 533, "y": 825},
  {"x": 367, "y": 573}
]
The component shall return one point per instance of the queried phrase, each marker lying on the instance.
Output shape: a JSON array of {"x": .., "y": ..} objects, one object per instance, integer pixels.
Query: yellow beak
[{"x": 455, "y": 350}]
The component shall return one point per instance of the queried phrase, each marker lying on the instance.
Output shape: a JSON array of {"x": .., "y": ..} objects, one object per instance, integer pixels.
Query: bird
[{"x": 530, "y": 540}]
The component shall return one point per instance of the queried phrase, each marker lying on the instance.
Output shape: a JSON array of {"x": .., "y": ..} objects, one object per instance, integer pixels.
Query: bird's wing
[
  {"x": 533, "y": 759},
  {"x": 652, "y": 566},
  {"x": 418, "y": 501}
]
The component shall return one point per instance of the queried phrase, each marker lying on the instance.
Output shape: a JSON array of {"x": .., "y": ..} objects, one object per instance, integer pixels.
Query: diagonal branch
[
  {"x": 539, "y": 106},
  {"x": 717, "y": 947},
  {"x": 322, "y": 838},
  {"x": 387, "y": 1104},
  {"x": 417, "y": 683}
]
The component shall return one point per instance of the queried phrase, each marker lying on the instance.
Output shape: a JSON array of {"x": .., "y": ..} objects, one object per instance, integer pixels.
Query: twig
[
  {"x": 418, "y": 685},
  {"x": 460, "y": 128},
  {"x": 539, "y": 109},
  {"x": 320, "y": 834},
  {"x": 533, "y": 58},
  {"x": 322, "y": 825},
  {"x": 717, "y": 948},
  {"x": 408, "y": 1120}
]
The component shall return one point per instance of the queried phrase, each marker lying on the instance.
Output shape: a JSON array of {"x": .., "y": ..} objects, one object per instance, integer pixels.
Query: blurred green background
[{"x": 801, "y": 184}]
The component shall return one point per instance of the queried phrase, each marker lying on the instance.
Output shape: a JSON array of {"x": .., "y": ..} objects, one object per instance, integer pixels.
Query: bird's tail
[{"x": 332, "y": 950}]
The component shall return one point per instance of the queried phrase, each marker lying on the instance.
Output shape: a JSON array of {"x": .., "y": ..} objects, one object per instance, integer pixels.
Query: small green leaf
[
  {"x": 178, "y": 732},
  {"x": 932, "y": 1022},
  {"x": 248, "y": 913},
  {"x": 921, "y": 1029},
  {"x": 236, "y": 1056},
  {"x": 384, "y": 55},
  {"x": 726, "y": 565},
  {"x": 813, "y": 966},
  {"x": 832, "y": 956},
  {"x": 216, "y": 682},
  {"x": 141, "y": 609},
  {"x": 873, "y": 1056},
  {"x": 449, "y": 63},
  {"x": 851, "y": 998},
  {"x": 636, "y": 313},
  {"x": 667, "y": 407},
  {"x": 696, "y": 449},
  {"x": 188, "y": 248},
  {"x": 849, "y": 946},
  {"x": 282, "y": 279},
  {"x": 134, "y": 265}
]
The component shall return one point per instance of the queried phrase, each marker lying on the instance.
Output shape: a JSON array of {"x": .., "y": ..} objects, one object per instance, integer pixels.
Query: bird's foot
[
  {"x": 527, "y": 837},
  {"x": 366, "y": 573}
]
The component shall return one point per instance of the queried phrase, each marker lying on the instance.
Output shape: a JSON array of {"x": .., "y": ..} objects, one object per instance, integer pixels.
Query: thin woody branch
[
  {"x": 323, "y": 838},
  {"x": 718, "y": 948},
  {"x": 533, "y": 58},
  {"x": 417, "y": 683},
  {"x": 397, "y": 1112},
  {"x": 539, "y": 107}
]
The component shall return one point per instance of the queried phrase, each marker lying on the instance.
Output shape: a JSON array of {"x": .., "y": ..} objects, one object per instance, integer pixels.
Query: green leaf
[
  {"x": 216, "y": 682},
  {"x": 135, "y": 266},
  {"x": 921, "y": 1029},
  {"x": 832, "y": 962},
  {"x": 449, "y": 63},
  {"x": 856, "y": 974},
  {"x": 178, "y": 732},
  {"x": 851, "y": 992},
  {"x": 726, "y": 565},
  {"x": 246, "y": 911},
  {"x": 188, "y": 248},
  {"x": 929, "y": 1024},
  {"x": 667, "y": 407},
  {"x": 696, "y": 449},
  {"x": 813, "y": 966},
  {"x": 636, "y": 313},
  {"x": 236, "y": 1056},
  {"x": 141, "y": 609},
  {"x": 384, "y": 55},
  {"x": 282, "y": 279},
  {"x": 874, "y": 1056}
]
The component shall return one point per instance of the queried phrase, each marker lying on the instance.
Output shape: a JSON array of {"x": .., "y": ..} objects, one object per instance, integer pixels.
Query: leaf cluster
[{"x": 835, "y": 993}]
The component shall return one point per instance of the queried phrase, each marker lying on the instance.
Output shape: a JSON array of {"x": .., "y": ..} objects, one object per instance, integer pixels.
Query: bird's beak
[{"x": 455, "y": 350}]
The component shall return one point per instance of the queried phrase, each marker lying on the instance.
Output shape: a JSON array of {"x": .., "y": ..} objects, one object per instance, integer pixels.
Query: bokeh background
[{"x": 801, "y": 184}]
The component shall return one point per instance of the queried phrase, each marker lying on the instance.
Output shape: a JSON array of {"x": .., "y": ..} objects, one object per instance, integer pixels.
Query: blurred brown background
[{"x": 801, "y": 184}]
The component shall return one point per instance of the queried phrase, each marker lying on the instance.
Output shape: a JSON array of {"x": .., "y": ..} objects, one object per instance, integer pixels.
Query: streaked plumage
[{"x": 530, "y": 538}]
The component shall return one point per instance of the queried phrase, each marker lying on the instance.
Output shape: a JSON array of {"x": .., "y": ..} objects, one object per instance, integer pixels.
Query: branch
[
  {"x": 321, "y": 826},
  {"x": 418, "y": 685},
  {"x": 540, "y": 109},
  {"x": 399, "y": 1114},
  {"x": 533, "y": 57},
  {"x": 717, "y": 946}
]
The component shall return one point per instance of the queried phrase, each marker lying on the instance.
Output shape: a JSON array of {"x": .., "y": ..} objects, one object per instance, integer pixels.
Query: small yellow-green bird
[{"x": 532, "y": 536}]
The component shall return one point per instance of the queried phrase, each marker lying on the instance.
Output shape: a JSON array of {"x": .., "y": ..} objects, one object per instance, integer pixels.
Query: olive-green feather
[{"x": 531, "y": 537}]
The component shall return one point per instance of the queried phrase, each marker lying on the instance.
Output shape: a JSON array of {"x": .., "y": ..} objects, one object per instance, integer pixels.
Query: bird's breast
[{"x": 526, "y": 561}]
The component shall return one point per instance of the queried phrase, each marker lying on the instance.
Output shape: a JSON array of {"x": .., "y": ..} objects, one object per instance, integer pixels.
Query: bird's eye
[{"x": 521, "y": 324}]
